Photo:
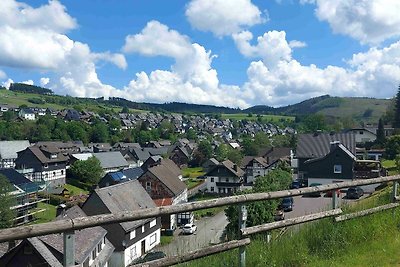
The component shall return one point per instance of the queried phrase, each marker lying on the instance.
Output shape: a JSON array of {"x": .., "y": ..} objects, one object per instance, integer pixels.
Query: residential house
[
  {"x": 225, "y": 178},
  {"x": 275, "y": 153},
  {"x": 42, "y": 164},
  {"x": 139, "y": 155},
  {"x": 72, "y": 115},
  {"x": 92, "y": 248},
  {"x": 8, "y": 152},
  {"x": 179, "y": 155},
  {"x": 118, "y": 177},
  {"x": 162, "y": 182},
  {"x": 109, "y": 161},
  {"x": 362, "y": 135},
  {"x": 25, "y": 194},
  {"x": 67, "y": 148},
  {"x": 318, "y": 145},
  {"x": 255, "y": 167},
  {"x": 130, "y": 239},
  {"x": 27, "y": 114}
]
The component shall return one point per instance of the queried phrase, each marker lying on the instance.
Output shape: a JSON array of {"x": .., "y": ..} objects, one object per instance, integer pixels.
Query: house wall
[
  {"x": 324, "y": 168},
  {"x": 157, "y": 189},
  {"x": 135, "y": 250},
  {"x": 7, "y": 163},
  {"x": 363, "y": 136},
  {"x": 254, "y": 170}
]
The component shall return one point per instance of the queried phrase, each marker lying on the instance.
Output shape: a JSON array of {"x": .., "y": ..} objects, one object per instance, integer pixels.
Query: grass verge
[{"x": 46, "y": 216}]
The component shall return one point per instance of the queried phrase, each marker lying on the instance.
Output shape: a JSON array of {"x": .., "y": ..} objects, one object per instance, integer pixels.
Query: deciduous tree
[{"x": 6, "y": 214}]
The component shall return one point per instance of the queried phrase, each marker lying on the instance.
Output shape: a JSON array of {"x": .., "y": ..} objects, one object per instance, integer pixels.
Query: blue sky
[{"x": 235, "y": 53}]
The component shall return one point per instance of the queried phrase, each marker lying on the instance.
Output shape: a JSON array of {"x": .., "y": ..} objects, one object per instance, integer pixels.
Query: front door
[{"x": 143, "y": 245}]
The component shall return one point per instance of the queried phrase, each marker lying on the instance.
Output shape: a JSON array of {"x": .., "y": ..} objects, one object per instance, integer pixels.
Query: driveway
[{"x": 209, "y": 230}]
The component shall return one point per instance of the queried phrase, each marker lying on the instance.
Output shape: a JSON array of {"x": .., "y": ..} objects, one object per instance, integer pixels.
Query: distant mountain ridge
[{"x": 367, "y": 109}]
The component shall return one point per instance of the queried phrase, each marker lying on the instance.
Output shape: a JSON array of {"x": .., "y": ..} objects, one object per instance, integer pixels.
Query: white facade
[
  {"x": 363, "y": 136},
  {"x": 54, "y": 177},
  {"x": 124, "y": 258},
  {"x": 27, "y": 115}
]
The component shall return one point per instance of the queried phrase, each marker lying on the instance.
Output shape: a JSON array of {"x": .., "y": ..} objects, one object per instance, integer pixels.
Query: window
[
  {"x": 46, "y": 165},
  {"x": 132, "y": 234},
  {"x": 54, "y": 174},
  {"x": 148, "y": 186},
  {"x": 142, "y": 228},
  {"x": 227, "y": 180},
  {"x": 361, "y": 132},
  {"x": 337, "y": 168},
  {"x": 133, "y": 253},
  {"x": 94, "y": 254},
  {"x": 62, "y": 172},
  {"x": 99, "y": 247},
  {"x": 212, "y": 188},
  {"x": 212, "y": 179},
  {"x": 153, "y": 238},
  {"x": 153, "y": 223}
]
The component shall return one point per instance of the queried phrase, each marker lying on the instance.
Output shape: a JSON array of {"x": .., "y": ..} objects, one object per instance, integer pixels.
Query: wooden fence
[{"x": 68, "y": 226}]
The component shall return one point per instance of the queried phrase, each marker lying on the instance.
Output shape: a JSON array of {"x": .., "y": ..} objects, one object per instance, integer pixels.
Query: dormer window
[{"x": 53, "y": 156}]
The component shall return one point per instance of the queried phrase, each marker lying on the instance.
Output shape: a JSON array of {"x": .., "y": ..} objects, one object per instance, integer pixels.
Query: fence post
[
  {"x": 394, "y": 191},
  {"x": 69, "y": 248},
  {"x": 242, "y": 225},
  {"x": 334, "y": 199}
]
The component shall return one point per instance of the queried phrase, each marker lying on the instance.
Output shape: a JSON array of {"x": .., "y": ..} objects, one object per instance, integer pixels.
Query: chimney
[
  {"x": 61, "y": 210},
  {"x": 334, "y": 144}
]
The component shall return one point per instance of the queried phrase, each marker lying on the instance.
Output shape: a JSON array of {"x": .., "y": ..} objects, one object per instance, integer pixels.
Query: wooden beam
[
  {"x": 60, "y": 226},
  {"x": 288, "y": 222},
  {"x": 200, "y": 253},
  {"x": 365, "y": 212}
]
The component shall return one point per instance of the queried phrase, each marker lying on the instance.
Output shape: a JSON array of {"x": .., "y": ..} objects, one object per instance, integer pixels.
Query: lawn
[
  {"x": 390, "y": 165},
  {"x": 166, "y": 239},
  {"x": 191, "y": 182},
  {"x": 46, "y": 216},
  {"x": 206, "y": 212},
  {"x": 75, "y": 191},
  {"x": 253, "y": 117},
  {"x": 192, "y": 172}
]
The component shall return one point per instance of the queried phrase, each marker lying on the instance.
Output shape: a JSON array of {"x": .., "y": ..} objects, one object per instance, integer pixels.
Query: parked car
[
  {"x": 189, "y": 228},
  {"x": 314, "y": 194},
  {"x": 287, "y": 204},
  {"x": 151, "y": 256},
  {"x": 354, "y": 192},
  {"x": 295, "y": 184},
  {"x": 279, "y": 215}
]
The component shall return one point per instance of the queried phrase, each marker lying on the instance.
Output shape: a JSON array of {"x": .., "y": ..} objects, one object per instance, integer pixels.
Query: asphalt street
[{"x": 209, "y": 231}]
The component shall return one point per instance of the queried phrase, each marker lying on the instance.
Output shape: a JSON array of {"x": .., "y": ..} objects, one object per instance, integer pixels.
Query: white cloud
[
  {"x": 28, "y": 82},
  {"x": 374, "y": 73},
  {"x": 223, "y": 17},
  {"x": 7, "y": 83},
  {"x": 115, "y": 58},
  {"x": 191, "y": 78},
  {"x": 44, "y": 81},
  {"x": 3, "y": 75},
  {"x": 272, "y": 47},
  {"x": 297, "y": 44},
  {"x": 369, "y": 21}
]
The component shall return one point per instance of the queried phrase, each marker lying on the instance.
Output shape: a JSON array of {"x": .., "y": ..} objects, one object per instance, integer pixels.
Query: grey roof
[
  {"x": 338, "y": 146},
  {"x": 157, "y": 151},
  {"x": 45, "y": 252},
  {"x": 112, "y": 159},
  {"x": 141, "y": 154},
  {"x": 9, "y": 149},
  {"x": 169, "y": 178},
  {"x": 231, "y": 166},
  {"x": 318, "y": 145},
  {"x": 128, "y": 196},
  {"x": 133, "y": 173},
  {"x": 85, "y": 239}
]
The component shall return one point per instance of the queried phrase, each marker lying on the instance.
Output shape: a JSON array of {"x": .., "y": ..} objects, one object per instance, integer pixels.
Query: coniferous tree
[
  {"x": 380, "y": 133},
  {"x": 396, "y": 123}
]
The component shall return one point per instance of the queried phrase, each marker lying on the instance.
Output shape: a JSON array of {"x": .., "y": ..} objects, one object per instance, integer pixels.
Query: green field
[
  {"x": 75, "y": 191},
  {"x": 192, "y": 172},
  {"x": 253, "y": 117},
  {"x": 372, "y": 240},
  {"x": 18, "y": 99},
  {"x": 46, "y": 216}
]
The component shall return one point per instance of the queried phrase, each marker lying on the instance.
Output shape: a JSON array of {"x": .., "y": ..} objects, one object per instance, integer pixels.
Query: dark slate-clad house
[
  {"x": 336, "y": 166},
  {"x": 42, "y": 163},
  {"x": 130, "y": 239},
  {"x": 225, "y": 178},
  {"x": 179, "y": 155},
  {"x": 92, "y": 248},
  {"x": 317, "y": 145}
]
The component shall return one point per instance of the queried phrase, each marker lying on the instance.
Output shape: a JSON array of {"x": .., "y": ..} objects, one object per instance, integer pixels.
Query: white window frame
[
  {"x": 132, "y": 234},
  {"x": 153, "y": 238},
  {"x": 153, "y": 223},
  {"x": 337, "y": 168}
]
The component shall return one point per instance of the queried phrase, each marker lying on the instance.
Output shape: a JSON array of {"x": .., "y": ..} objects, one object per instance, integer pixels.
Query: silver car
[{"x": 189, "y": 228}]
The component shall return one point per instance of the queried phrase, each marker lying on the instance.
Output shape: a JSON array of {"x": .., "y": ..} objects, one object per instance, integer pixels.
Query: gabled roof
[
  {"x": 318, "y": 145},
  {"x": 85, "y": 239},
  {"x": 231, "y": 167},
  {"x": 112, "y": 159},
  {"x": 38, "y": 151},
  {"x": 141, "y": 154},
  {"x": 15, "y": 177},
  {"x": 133, "y": 173},
  {"x": 9, "y": 149},
  {"x": 168, "y": 178},
  {"x": 128, "y": 196},
  {"x": 337, "y": 146},
  {"x": 260, "y": 160}
]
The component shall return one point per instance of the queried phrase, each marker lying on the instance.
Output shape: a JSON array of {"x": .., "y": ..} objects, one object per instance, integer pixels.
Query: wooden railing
[{"x": 68, "y": 226}]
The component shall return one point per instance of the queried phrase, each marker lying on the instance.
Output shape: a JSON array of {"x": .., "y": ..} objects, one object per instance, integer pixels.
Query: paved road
[
  {"x": 307, "y": 205},
  {"x": 209, "y": 230}
]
